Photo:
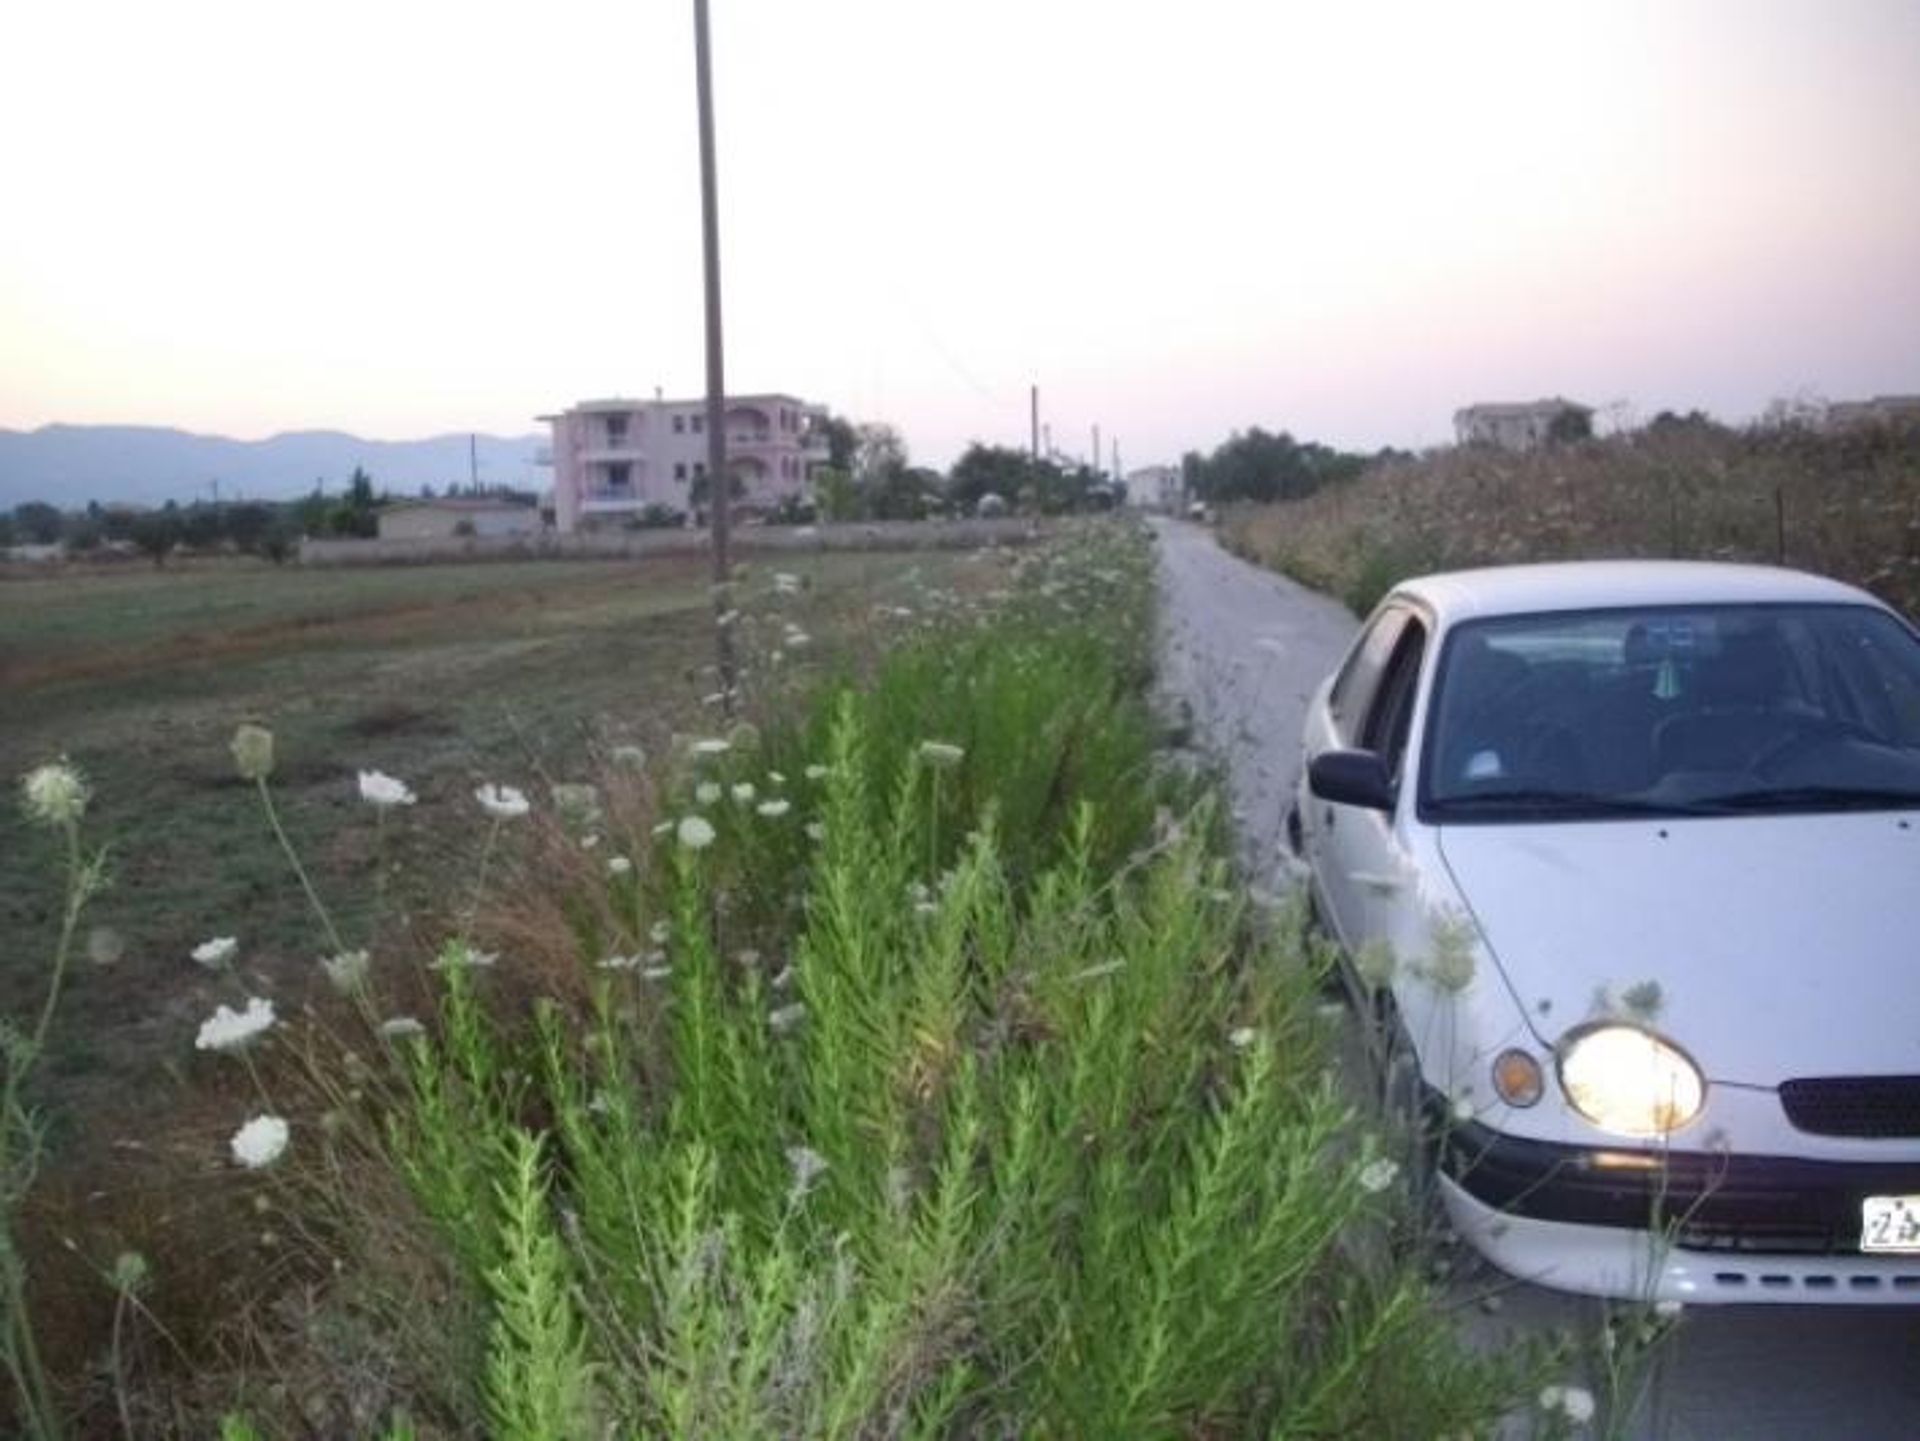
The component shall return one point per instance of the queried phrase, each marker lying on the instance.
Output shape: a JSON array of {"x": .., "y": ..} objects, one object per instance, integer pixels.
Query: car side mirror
[{"x": 1351, "y": 778}]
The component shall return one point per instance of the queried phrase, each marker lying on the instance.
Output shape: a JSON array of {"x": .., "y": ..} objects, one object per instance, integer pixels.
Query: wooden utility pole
[
  {"x": 473, "y": 463},
  {"x": 1094, "y": 462},
  {"x": 1033, "y": 419},
  {"x": 719, "y": 492}
]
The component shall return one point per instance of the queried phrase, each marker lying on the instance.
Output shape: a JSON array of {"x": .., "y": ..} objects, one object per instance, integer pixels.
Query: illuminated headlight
[{"x": 1629, "y": 1081}]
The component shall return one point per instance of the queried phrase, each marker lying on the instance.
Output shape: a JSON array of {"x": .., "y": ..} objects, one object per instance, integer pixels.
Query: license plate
[{"x": 1890, "y": 1223}]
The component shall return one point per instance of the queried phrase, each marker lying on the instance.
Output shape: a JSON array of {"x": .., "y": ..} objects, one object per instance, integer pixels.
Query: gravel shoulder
[{"x": 1244, "y": 650}]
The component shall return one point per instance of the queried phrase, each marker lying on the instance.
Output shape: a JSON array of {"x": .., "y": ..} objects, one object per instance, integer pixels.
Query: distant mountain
[{"x": 69, "y": 465}]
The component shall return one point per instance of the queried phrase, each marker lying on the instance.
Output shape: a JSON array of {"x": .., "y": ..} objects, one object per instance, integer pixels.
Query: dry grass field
[{"x": 1845, "y": 505}]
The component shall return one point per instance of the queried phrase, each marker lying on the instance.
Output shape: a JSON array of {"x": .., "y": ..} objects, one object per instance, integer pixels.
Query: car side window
[
  {"x": 1359, "y": 679},
  {"x": 1391, "y": 716}
]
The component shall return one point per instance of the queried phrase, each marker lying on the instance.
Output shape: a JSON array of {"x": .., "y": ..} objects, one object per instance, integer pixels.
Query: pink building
[{"x": 612, "y": 459}]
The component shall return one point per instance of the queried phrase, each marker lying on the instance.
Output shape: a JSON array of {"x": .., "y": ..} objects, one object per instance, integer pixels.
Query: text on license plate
[{"x": 1890, "y": 1223}]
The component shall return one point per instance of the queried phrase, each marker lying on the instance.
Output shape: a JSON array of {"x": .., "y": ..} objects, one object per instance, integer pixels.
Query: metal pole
[
  {"x": 1033, "y": 418},
  {"x": 719, "y": 492}
]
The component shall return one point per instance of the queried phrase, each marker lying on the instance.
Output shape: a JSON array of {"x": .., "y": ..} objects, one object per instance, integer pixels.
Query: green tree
[
  {"x": 1570, "y": 426},
  {"x": 157, "y": 532},
  {"x": 989, "y": 470},
  {"x": 835, "y": 493},
  {"x": 37, "y": 523}
]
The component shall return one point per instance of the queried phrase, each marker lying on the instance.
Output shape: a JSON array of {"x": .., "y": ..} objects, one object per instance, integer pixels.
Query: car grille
[{"x": 1854, "y": 1105}]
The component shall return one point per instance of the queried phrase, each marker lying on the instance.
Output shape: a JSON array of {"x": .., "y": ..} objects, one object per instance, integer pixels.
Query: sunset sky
[{"x": 401, "y": 218}]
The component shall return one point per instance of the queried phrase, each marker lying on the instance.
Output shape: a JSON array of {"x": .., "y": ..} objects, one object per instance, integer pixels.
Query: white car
[{"x": 1624, "y": 861}]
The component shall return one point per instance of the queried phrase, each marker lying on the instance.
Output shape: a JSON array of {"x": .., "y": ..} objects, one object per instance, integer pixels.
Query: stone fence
[{"x": 635, "y": 544}]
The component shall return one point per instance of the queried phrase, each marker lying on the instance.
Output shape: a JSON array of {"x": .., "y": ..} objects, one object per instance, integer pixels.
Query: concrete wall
[{"x": 630, "y": 545}]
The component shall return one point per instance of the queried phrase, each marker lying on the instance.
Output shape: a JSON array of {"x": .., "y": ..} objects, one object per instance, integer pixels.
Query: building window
[
  {"x": 679, "y": 425},
  {"x": 619, "y": 476},
  {"x": 616, "y": 430},
  {"x": 699, "y": 469},
  {"x": 699, "y": 424},
  {"x": 680, "y": 470}
]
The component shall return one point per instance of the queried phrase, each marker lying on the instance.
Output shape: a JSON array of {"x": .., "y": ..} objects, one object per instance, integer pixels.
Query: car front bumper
[{"x": 1686, "y": 1226}]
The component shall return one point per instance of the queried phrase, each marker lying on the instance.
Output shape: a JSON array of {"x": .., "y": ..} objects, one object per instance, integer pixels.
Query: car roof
[{"x": 1608, "y": 584}]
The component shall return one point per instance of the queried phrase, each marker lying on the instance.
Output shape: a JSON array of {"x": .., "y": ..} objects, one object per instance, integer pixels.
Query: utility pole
[
  {"x": 1094, "y": 462},
  {"x": 719, "y": 495},
  {"x": 473, "y": 462},
  {"x": 1033, "y": 417}
]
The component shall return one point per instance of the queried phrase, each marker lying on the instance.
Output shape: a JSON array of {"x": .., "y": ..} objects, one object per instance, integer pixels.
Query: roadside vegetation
[
  {"x": 1845, "y": 504},
  {"x": 901, "y": 1060}
]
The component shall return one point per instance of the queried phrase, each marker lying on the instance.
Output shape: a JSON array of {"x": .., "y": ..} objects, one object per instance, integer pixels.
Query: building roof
[
  {"x": 619, "y": 402},
  {"x": 1610, "y": 584},
  {"x": 1517, "y": 408}
]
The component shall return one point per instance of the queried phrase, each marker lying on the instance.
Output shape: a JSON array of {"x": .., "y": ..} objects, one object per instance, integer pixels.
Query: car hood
[{"x": 1782, "y": 945}]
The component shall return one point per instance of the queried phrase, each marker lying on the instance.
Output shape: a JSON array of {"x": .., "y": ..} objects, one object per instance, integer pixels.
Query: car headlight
[{"x": 1630, "y": 1081}]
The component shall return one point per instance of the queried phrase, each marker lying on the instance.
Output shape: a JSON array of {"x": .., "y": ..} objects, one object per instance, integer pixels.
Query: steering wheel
[{"x": 1807, "y": 732}]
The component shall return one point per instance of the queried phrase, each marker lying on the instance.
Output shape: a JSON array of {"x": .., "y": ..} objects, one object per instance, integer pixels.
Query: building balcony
[
  {"x": 611, "y": 498},
  {"x": 616, "y": 451}
]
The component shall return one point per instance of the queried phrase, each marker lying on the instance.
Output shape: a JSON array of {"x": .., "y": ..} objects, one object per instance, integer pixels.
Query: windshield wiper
[
  {"x": 1796, "y": 798},
  {"x": 1584, "y": 803}
]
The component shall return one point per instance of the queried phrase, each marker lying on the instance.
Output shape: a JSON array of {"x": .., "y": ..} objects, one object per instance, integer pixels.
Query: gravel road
[{"x": 1244, "y": 649}]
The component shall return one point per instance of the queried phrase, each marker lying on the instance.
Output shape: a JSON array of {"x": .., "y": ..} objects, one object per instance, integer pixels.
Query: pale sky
[{"x": 402, "y": 218}]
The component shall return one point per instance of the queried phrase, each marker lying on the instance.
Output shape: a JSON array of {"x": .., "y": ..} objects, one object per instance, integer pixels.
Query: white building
[
  {"x": 1156, "y": 487},
  {"x": 1525, "y": 426},
  {"x": 613, "y": 459}
]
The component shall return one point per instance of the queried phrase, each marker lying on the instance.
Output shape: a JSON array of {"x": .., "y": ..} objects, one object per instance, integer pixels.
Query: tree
[
  {"x": 37, "y": 523},
  {"x": 989, "y": 470},
  {"x": 843, "y": 439},
  {"x": 1570, "y": 426},
  {"x": 698, "y": 492},
  {"x": 834, "y": 492},
  {"x": 157, "y": 532}
]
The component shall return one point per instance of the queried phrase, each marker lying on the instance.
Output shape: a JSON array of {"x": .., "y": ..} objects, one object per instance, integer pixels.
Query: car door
[
  {"x": 1361, "y": 851},
  {"x": 1341, "y": 722}
]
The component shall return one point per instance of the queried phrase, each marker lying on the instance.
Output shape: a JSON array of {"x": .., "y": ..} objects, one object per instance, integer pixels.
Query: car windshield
[{"x": 1707, "y": 710}]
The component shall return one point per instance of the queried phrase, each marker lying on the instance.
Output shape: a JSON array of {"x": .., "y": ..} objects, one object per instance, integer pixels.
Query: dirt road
[{"x": 1245, "y": 648}]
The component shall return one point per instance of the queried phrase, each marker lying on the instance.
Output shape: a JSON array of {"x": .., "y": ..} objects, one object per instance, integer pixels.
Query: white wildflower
[
  {"x": 743, "y": 792},
  {"x": 621, "y": 963},
  {"x": 229, "y": 1030},
  {"x": 712, "y": 747},
  {"x": 347, "y": 971},
  {"x": 396, "y": 1028},
  {"x": 785, "y": 1018},
  {"x": 1242, "y": 1037},
  {"x": 457, "y": 954},
  {"x": 786, "y": 582},
  {"x": 940, "y": 755},
  {"x": 1573, "y": 1402},
  {"x": 717, "y": 697},
  {"x": 808, "y": 1166},
  {"x": 774, "y": 778},
  {"x": 54, "y": 795},
  {"x": 656, "y": 973},
  {"x": 661, "y": 828},
  {"x": 217, "y": 952},
  {"x": 782, "y": 978},
  {"x": 619, "y": 865},
  {"x": 105, "y": 945},
  {"x": 381, "y": 790},
  {"x": 658, "y": 932},
  {"x": 503, "y": 803},
  {"x": 706, "y": 793},
  {"x": 817, "y": 773},
  {"x": 816, "y": 831},
  {"x": 252, "y": 748},
  {"x": 798, "y": 640},
  {"x": 260, "y": 1142},
  {"x": 630, "y": 756},
  {"x": 773, "y": 810},
  {"x": 1378, "y": 1174},
  {"x": 727, "y": 617},
  {"x": 578, "y": 803},
  {"x": 696, "y": 833}
]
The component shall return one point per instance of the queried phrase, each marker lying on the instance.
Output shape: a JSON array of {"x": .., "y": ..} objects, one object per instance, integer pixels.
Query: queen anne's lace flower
[
  {"x": 396, "y": 1028},
  {"x": 229, "y": 1030},
  {"x": 696, "y": 833},
  {"x": 1573, "y": 1402},
  {"x": 252, "y": 748},
  {"x": 1378, "y": 1174},
  {"x": 743, "y": 792},
  {"x": 940, "y": 755},
  {"x": 503, "y": 803},
  {"x": 260, "y": 1142},
  {"x": 774, "y": 809},
  {"x": 808, "y": 1166},
  {"x": 347, "y": 970},
  {"x": 1243, "y": 1037},
  {"x": 712, "y": 747},
  {"x": 55, "y": 795},
  {"x": 785, "y": 1018},
  {"x": 619, "y": 865},
  {"x": 706, "y": 793},
  {"x": 457, "y": 954},
  {"x": 217, "y": 952},
  {"x": 381, "y": 790}
]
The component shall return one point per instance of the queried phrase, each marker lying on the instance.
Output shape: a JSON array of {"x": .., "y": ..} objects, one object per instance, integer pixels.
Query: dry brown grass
[{"x": 1845, "y": 505}]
